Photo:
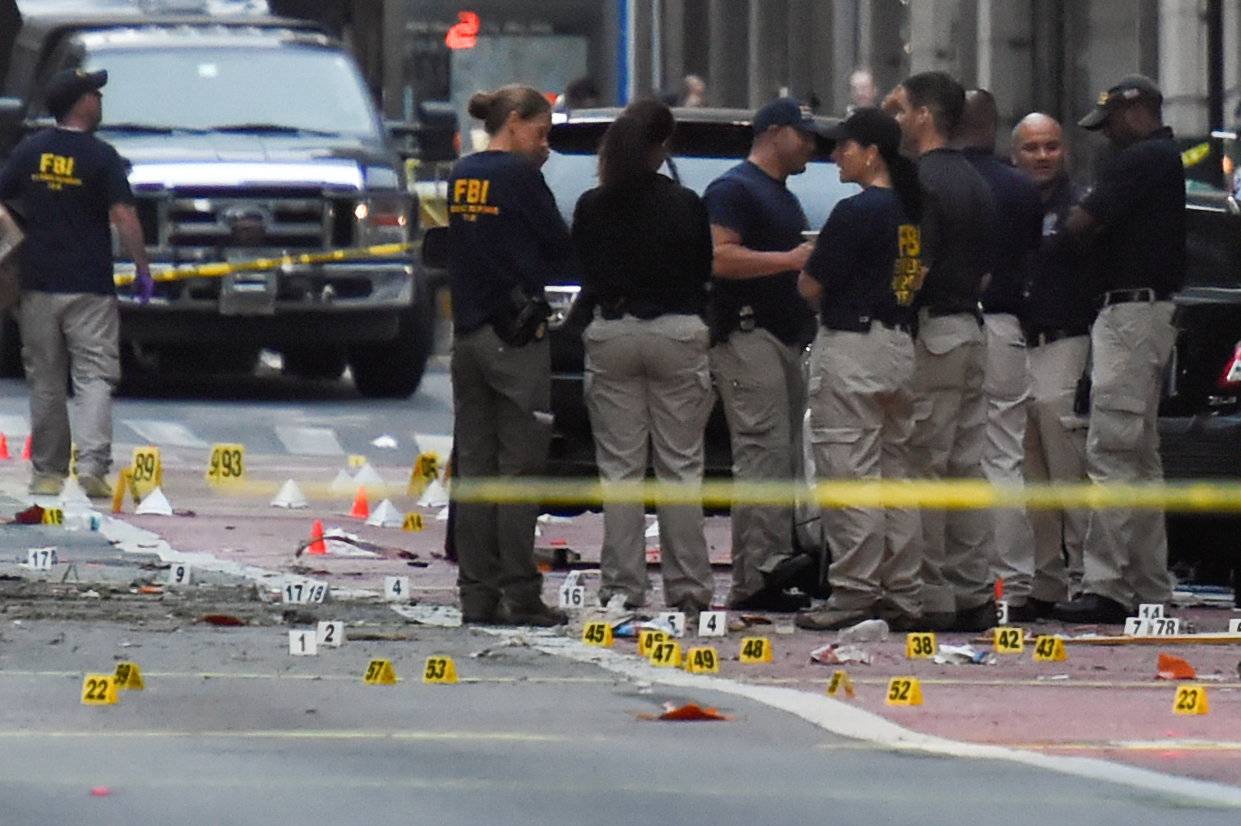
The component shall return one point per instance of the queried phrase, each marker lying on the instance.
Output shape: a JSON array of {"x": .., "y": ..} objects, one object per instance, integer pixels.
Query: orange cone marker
[
  {"x": 26, "y": 449},
  {"x": 4, "y": 448},
  {"x": 361, "y": 508},
  {"x": 318, "y": 547}
]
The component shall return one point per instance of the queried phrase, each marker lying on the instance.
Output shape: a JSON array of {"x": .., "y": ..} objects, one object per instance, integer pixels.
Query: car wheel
[
  {"x": 328, "y": 363},
  {"x": 393, "y": 369}
]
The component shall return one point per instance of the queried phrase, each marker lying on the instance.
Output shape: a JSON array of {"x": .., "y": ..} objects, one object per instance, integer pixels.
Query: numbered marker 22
[
  {"x": 303, "y": 643},
  {"x": 178, "y": 574}
]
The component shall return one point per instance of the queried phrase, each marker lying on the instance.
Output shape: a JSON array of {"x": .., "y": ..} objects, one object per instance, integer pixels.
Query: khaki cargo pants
[
  {"x": 1126, "y": 551},
  {"x": 501, "y": 427},
  {"x": 761, "y": 382},
  {"x": 1056, "y": 452},
  {"x": 861, "y": 405},
  {"x": 74, "y": 335},
  {"x": 648, "y": 390},
  {"x": 950, "y": 415}
]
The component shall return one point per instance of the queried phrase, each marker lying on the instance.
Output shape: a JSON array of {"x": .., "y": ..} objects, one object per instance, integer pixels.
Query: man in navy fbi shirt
[
  {"x": 760, "y": 328},
  {"x": 1133, "y": 222},
  {"x": 69, "y": 186}
]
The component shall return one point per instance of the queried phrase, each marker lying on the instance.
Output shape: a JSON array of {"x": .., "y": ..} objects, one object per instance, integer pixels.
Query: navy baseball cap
[
  {"x": 66, "y": 86},
  {"x": 785, "y": 112},
  {"x": 869, "y": 126},
  {"x": 1130, "y": 88}
]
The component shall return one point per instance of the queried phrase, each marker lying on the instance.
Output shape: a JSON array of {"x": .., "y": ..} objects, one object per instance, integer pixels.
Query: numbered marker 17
[
  {"x": 41, "y": 559},
  {"x": 304, "y": 591}
]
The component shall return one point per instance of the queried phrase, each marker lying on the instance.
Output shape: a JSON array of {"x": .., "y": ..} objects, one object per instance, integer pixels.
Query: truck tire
[
  {"x": 314, "y": 364},
  {"x": 10, "y": 348},
  {"x": 393, "y": 369}
]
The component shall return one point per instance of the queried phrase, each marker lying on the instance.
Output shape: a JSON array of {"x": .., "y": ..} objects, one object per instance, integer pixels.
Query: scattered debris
[
  {"x": 100, "y": 791},
  {"x": 377, "y": 636},
  {"x": 1172, "y": 667},
  {"x": 871, "y": 630},
  {"x": 963, "y": 655},
  {"x": 385, "y": 442},
  {"x": 32, "y": 515},
  {"x": 223, "y": 620},
  {"x": 444, "y": 616},
  {"x": 686, "y": 713},
  {"x": 836, "y": 654},
  {"x": 498, "y": 650}
]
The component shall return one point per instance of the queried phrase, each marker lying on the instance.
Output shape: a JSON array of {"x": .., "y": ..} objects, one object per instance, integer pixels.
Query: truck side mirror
[{"x": 432, "y": 138}]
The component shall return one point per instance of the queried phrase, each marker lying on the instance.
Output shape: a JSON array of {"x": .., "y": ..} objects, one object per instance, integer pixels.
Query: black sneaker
[
  {"x": 1091, "y": 608},
  {"x": 777, "y": 602},
  {"x": 980, "y": 618},
  {"x": 477, "y": 617},
  {"x": 788, "y": 572},
  {"x": 534, "y": 614},
  {"x": 1033, "y": 609},
  {"x": 938, "y": 621}
]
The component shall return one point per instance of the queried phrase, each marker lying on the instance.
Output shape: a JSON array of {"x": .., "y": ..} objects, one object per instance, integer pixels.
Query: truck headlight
[{"x": 382, "y": 220}]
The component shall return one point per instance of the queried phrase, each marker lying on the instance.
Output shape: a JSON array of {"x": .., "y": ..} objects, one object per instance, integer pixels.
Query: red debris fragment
[
  {"x": 686, "y": 713},
  {"x": 227, "y": 620},
  {"x": 100, "y": 791},
  {"x": 1172, "y": 667},
  {"x": 32, "y": 515}
]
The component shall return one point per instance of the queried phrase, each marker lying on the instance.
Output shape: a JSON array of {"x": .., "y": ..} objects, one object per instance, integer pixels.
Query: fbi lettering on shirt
[
  {"x": 57, "y": 171},
  {"x": 469, "y": 198},
  {"x": 907, "y": 272}
]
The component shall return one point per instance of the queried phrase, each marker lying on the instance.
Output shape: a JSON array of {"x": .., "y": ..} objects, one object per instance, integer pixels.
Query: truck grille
[{"x": 195, "y": 224}]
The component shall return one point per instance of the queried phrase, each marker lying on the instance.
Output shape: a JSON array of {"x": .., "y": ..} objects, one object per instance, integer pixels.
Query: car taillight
[{"x": 1231, "y": 378}]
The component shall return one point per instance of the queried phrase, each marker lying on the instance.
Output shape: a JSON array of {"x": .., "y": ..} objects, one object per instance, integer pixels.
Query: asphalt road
[{"x": 231, "y": 728}]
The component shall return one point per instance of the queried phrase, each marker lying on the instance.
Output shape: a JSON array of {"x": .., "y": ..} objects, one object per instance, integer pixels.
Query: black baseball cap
[
  {"x": 1131, "y": 88},
  {"x": 67, "y": 85},
  {"x": 869, "y": 126},
  {"x": 785, "y": 112}
]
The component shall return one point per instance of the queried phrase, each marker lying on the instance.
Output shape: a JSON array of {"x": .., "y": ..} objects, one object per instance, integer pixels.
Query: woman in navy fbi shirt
[
  {"x": 863, "y": 276},
  {"x": 505, "y": 238}
]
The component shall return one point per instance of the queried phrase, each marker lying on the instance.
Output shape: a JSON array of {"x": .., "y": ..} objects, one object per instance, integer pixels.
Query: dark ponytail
[
  {"x": 905, "y": 183},
  {"x": 626, "y": 146},
  {"x": 493, "y": 108}
]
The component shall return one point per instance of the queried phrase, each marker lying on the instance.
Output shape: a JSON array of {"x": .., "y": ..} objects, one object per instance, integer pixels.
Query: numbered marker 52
[
  {"x": 41, "y": 559},
  {"x": 302, "y": 591},
  {"x": 178, "y": 574}
]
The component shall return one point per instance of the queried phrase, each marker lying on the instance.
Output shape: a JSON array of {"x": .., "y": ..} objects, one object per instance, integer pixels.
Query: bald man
[{"x": 1059, "y": 309}]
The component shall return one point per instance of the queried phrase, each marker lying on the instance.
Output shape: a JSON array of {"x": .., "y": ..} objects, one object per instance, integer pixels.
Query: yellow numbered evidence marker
[
  {"x": 412, "y": 523},
  {"x": 755, "y": 650},
  {"x": 99, "y": 690},
  {"x": 1049, "y": 649},
  {"x": 128, "y": 677},
  {"x": 53, "y": 516},
  {"x": 147, "y": 471},
  {"x": 1191, "y": 699},
  {"x": 840, "y": 682},
  {"x": 597, "y": 634},
  {"x": 1009, "y": 640},
  {"x": 920, "y": 646},
  {"x": 904, "y": 691},
  {"x": 356, "y": 460},
  {"x": 648, "y": 638},
  {"x": 702, "y": 660},
  {"x": 227, "y": 463},
  {"x": 379, "y": 672},
  {"x": 440, "y": 670},
  {"x": 665, "y": 654}
]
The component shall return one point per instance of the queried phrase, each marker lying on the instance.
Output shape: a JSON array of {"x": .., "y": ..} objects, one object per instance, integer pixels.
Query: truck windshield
[{"x": 286, "y": 90}]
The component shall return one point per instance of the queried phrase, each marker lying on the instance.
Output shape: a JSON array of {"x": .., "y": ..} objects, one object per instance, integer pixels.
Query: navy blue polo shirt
[
  {"x": 868, "y": 259},
  {"x": 504, "y": 231},
  {"x": 1018, "y": 229},
  {"x": 768, "y": 218},
  {"x": 1061, "y": 292},
  {"x": 66, "y": 182},
  {"x": 1139, "y": 201}
]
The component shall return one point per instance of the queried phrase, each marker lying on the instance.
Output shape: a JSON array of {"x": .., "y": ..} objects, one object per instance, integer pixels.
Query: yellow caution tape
[
  {"x": 1195, "y": 155},
  {"x": 220, "y": 269}
]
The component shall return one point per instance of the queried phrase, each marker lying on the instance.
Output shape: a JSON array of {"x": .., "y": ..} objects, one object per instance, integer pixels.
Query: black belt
[
  {"x": 1047, "y": 336},
  {"x": 863, "y": 325},
  {"x": 1144, "y": 294}
]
